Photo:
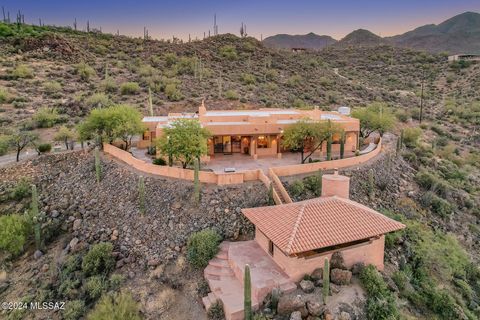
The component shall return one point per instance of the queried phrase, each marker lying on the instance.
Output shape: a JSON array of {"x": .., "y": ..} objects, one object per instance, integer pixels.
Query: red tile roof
[{"x": 319, "y": 223}]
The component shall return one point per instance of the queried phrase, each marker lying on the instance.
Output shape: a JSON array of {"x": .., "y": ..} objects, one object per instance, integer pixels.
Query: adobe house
[
  {"x": 294, "y": 239},
  {"x": 253, "y": 132}
]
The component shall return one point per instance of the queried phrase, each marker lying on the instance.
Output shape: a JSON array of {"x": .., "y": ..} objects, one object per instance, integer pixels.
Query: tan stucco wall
[{"x": 369, "y": 253}]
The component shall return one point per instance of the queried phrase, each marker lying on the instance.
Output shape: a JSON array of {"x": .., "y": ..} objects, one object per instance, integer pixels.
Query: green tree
[
  {"x": 65, "y": 135},
  {"x": 4, "y": 144},
  {"x": 184, "y": 141},
  {"x": 115, "y": 122},
  {"x": 20, "y": 139},
  {"x": 308, "y": 135},
  {"x": 376, "y": 117}
]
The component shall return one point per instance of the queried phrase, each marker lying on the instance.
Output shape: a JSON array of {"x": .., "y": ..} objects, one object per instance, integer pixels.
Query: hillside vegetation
[{"x": 50, "y": 79}]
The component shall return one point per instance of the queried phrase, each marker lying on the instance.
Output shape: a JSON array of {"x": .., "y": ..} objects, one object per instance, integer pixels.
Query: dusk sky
[{"x": 181, "y": 18}]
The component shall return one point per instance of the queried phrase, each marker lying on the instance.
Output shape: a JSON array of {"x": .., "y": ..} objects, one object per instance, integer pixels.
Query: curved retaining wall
[
  {"x": 326, "y": 165},
  {"x": 180, "y": 173}
]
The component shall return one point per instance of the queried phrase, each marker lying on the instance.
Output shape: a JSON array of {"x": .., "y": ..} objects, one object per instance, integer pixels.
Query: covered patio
[{"x": 240, "y": 162}]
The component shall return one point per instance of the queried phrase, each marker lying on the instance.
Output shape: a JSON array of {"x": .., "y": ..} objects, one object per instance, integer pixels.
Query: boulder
[
  {"x": 344, "y": 316},
  {"x": 317, "y": 274},
  {"x": 340, "y": 277},
  {"x": 37, "y": 255},
  {"x": 307, "y": 286},
  {"x": 77, "y": 224},
  {"x": 290, "y": 303},
  {"x": 296, "y": 315},
  {"x": 337, "y": 262},
  {"x": 357, "y": 268},
  {"x": 315, "y": 308}
]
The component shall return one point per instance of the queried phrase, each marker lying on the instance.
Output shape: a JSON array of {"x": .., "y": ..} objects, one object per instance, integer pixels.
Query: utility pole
[
  {"x": 421, "y": 96},
  {"x": 75, "y": 24},
  {"x": 4, "y": 17}
]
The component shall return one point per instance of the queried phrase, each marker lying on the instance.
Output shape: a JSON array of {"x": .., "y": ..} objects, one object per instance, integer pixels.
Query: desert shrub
[
  {"x": 52, "y": 87},
  {"x": 170, "y": 59},
  {"x": 22, "y": 71},
  {"x": 439, "y": 206},
  {"x": 228, "y": 52},
  {"x": 84, "y": 71},
  {"x": 400, "y": 279},
  {"x": 402, "y": 115},
  {"x": 313, "y": 183},
  {"x": 216, "y": 311},
  {"x": 297, "y": 188},
  {"x": 294, "y": 81},
  {"x": 159, "y": 162},
  {"x": 74, "y": 310},
  {"x": 299, "y": 104},
  {"x": 4, "y": 144},
  {"x": 381, "y": 303},
  {"x": 248, "y": 78},
  {"x": 411, "y": 136},
  {"x": 46, "y": 117},
  {"x": 231, "y": 95},
  {"x": 13, "y": 233},
  {"x": 94, "y": 287},
  {"x": 109, "y": 85},
  {"x": 115, "y": 281},
  {"x": 129, "y": 88},
  {"x": 98, "y": 100},
  {"x": 186, "y": 65},
  {"x": 146, "y": 70},
  {"x": 21, "y": 190},
  {"x": 271, "y": 74},
  {"x": 119, "y": 306},
  {"x": 4, "y": 96},
  {"x": 44, "y": 147},
  {"x": 99, "y": 259},
  {"x": 172, "y": 92},
  {"x": 202, "y": 246}
]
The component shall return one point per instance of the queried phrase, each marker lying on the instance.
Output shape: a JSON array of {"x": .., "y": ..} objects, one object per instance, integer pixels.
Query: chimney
[
  {"x": 202, "y": 110},
  {"x": 335, "y": 185}
]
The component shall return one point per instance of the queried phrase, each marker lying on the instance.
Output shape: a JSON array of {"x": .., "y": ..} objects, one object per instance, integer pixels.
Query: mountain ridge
[{"x": 458, "y": 34}]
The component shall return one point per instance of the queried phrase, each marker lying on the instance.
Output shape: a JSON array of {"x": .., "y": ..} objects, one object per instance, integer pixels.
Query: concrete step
[
  {"x": 221, "y": 271},
  {"x": 209, "y": 300},
  {"x": 219, "y": 263},
  {"x": 222, "y": 255},
  {"x": 288, "y": 287}
]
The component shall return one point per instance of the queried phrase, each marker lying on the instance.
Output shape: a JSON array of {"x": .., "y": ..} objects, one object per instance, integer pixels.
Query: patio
[{"x": 242, "y": 162}]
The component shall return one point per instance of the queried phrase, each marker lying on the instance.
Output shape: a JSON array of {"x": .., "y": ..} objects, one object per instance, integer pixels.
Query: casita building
[{"x": 254, "y": 132}]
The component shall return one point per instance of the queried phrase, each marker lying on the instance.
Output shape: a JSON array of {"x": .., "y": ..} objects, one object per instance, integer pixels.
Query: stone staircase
[{"x": 224, "y": 275}]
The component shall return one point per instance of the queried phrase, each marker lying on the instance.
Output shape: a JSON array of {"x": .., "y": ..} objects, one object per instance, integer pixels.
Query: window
[
  {"x": 264, "y": 141},
  {"x": 270, "y": 247}
]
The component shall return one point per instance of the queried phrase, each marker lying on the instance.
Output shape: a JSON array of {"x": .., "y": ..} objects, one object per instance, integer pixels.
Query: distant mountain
[
  {"x": 361, "y": 38},
  {"x": 307, "y": 41},
  {"x": 460, "y": 34}
]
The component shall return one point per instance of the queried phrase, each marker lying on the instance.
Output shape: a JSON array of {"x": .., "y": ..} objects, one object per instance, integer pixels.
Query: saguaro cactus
[
  {"x": 98, "y": 169},
  {"x": 36, "y": 218},
  {"x": 247, "y": 294},
  {"x": 329, "y": 147},
  {"x": 196, "y": 181},
  {"x": 319, "y": 182},
  {"x": 371, "y": 183},
  {"x": 326, "y": 280},
  {"x": 150, "y": 102},
  {"x": 342, "y": 145},
  {"x": 271, "y": 201},
  {"x": 141, "y": 194}
]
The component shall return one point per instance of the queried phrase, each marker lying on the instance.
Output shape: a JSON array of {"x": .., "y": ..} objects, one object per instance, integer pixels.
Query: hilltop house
[
  {"x": 253, "y": 132},
  {"x": 464, "y": 57},
  {"x": 294, "y": 239}
]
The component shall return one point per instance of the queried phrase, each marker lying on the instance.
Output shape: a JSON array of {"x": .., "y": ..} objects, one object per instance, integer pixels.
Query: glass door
[
  {"x": 227, "y": 144},
  {"x": 217, "y": 144},
  {"x": 236, "y": 144}
]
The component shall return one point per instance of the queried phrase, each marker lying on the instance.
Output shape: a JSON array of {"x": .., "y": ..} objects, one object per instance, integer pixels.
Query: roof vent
[{"x": 344, "y": 110}]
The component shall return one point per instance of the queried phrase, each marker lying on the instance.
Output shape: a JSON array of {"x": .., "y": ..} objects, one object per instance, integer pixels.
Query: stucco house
[
  {"x": 294, "y": 239},
  {"x": 252, "y": 132}
]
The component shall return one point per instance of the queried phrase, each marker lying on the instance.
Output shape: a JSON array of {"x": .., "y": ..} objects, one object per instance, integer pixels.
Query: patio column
[
  {"x": 279, "y": 154},
  {"x": 253, "y": 147}
]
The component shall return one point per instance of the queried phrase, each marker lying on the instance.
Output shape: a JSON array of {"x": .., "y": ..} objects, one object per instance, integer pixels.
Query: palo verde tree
[
  {"x": 376, "y": 117},
  {"x": 108, "y": 124},
  {"x": 184, "y": 141},
  {"x": 307, "y": 136},
  {"x": 21, "y": 139},
  {"x": 66, "y": 136}
]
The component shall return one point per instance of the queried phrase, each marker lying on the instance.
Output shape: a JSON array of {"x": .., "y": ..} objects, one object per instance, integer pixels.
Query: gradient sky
[{"x": 165, "y": 18}]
